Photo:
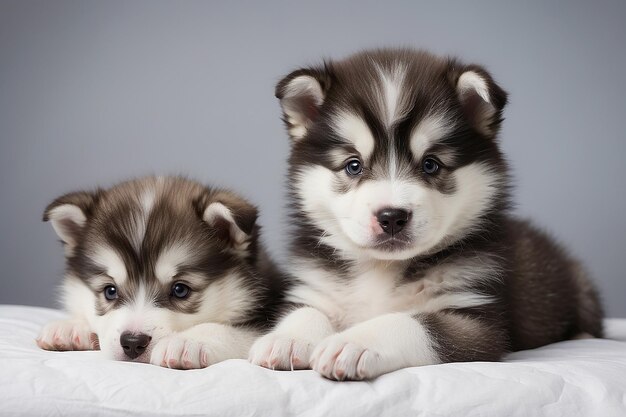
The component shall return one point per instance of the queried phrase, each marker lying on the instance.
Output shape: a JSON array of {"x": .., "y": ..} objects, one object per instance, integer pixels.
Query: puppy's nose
[
  {"x": 392, "y": 220},
  {"x": 134, "y": 344}
]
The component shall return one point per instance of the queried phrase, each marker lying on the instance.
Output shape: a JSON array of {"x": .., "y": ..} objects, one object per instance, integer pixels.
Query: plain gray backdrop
[{"x": 92, "y": 92}]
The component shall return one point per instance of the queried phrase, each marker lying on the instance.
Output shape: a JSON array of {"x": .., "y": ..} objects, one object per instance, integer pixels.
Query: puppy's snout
[
  {"x": 134, "y": 344},
  {"x": 392, "y": 220}
]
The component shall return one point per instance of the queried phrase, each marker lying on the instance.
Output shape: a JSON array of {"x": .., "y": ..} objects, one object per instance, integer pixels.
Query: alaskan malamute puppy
[
  {"x": 161, "y": 270},
  {"x": 403, "y": 247}
]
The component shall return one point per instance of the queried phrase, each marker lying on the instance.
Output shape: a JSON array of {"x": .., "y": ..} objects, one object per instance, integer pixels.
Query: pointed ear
[
  {"x": 301, "y": 95},
  {"x": 482, "y": 100},
  {"x": 68, "y": 215},
  {"x": 232, "y": 218}
]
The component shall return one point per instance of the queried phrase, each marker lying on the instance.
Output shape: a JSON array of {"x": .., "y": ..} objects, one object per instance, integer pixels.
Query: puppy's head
[
  {"x": 394, "y": 152},
  {"x": 153, "y": 256}
]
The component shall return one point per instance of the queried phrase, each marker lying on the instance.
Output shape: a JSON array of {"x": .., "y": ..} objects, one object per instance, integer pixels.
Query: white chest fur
[{"x": 376, "y": 289}]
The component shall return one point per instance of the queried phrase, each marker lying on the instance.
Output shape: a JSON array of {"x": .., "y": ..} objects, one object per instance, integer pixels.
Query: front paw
[
  {"x": 281, "y": 352},
  {"x": 66, "y": 335},
  {"x": 178, "y": 352},
  {"x": 342, "y": 357}
]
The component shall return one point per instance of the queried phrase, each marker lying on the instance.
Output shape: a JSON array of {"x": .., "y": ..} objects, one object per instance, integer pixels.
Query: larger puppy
[
  {"x": 403, "y": 248},
  {"x": 162, "y": 270}
]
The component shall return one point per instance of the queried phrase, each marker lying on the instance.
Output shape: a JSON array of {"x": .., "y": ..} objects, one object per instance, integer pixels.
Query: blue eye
[
  {"x": 354, "y": 167},
  {"x": 110, "y": 292},
  {"x": 180, "y": 290},
  {"x": 430, "y": 166}
]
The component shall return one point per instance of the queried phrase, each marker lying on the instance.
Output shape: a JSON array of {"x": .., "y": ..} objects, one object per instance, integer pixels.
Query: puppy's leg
[
  {"x": 72, "y": 334},
  {"x": 202, "y": 345},
  {"x": 398, "y": 340},
  {"x": 290, "y": 344}
]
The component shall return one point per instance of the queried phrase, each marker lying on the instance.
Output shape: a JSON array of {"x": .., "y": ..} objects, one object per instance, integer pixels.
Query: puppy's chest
[{"x": 369, "y": 294}]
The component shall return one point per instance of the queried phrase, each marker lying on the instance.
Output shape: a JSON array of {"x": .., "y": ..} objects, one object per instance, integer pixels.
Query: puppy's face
[
  {"x": 393, "y": 152},
  {"x": 154, "y": 256}
]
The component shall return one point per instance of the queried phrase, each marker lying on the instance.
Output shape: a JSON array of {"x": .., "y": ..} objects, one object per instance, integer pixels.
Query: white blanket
[{"x": 574, "y": 378}]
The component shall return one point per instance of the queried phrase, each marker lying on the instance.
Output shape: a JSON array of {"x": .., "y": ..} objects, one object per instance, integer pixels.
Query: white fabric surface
[{"x": 573, "y": 378}]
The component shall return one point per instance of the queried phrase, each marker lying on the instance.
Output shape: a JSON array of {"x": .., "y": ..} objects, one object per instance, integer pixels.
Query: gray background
[{"x": 95, "y": 92}]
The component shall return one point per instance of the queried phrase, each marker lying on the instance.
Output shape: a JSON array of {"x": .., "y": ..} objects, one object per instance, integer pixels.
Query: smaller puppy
[{"x": 162, "y": 270}]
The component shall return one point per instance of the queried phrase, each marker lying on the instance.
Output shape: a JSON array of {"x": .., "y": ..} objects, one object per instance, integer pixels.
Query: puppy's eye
[
  {"x": 180, "y": 290},
  {"x": 430, "y": 166},
  {"x": 110, "y": 292},
  {"x": 354, "y": 167}
]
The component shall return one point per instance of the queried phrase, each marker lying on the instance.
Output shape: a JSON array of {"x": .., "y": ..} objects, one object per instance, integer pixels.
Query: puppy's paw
[
  {"x": 67, "y": 335},
  {"x": 179, "y": 352},
  {"x": 344, "y": 357},
  {"x": 281, "y": 352},
  {"x": 374, "y": 347}
]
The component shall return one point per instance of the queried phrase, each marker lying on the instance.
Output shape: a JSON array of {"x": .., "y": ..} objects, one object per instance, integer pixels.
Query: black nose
[
  {"x": 392, "y": 220},
  {"x": 134, "y": 344}
]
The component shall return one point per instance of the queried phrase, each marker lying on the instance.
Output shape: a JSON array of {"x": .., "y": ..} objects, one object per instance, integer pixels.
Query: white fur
[
  {"x": 67, "y": 335},
  {"x": 219, "y": 210},
  {"x": 60, "y": 216},
  {"x": 78, "y": 300},
  {"x": 374, "y": 347},
  {"x": 394, "y": 105},
  {"x": 170, "y": 260},
  {"x": 429, "y": 131},
  {"x": 227, "y": 300},
  {"x": 354, "y": 129},
  {"x": 305, "y": 85},
  {"x": 75, "y": 332},
  {"x": 202, "y": 345},
  {"x": 470, "y": 81},
  {"x": 374, "y": 290},
  {"x": 346, "y": 303},
  {"x": 477, "y": 187},
  {"x": 391, "y": 94},
  {"x": 290, "y": 344},
  {"x": 109, "y": 259},
  {"x": 146, "y": 202},
  {"x": 299, "y": 87}
]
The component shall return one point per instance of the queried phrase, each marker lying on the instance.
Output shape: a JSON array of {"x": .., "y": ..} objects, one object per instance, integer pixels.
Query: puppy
[
  {"x": 404, "y": 250},
  {"x": 161, "y": 270}
]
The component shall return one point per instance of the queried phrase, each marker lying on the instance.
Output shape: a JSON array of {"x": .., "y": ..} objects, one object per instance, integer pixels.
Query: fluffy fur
[
  {"x": 404, "y": 251},
  {"x": 143, "y": 238}
]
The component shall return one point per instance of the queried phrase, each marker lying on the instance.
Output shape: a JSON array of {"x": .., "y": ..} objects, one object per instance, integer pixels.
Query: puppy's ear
[
  {"x": 301, "y": 95},
  {"x": 232, "y": 218},
  {"x": 482, "y": 100},
  {"x": 69, "y": 215}
]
